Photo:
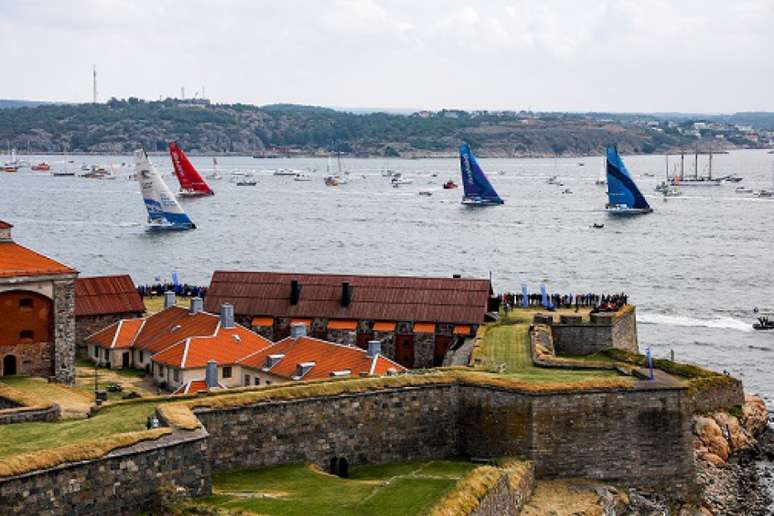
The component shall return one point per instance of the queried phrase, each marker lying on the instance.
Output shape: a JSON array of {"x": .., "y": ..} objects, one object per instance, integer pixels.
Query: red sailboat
[{"x": 191, "y": 183}]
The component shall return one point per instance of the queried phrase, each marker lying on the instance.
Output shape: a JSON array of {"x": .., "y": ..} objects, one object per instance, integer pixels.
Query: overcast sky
[{"x": 566, "y": 55}]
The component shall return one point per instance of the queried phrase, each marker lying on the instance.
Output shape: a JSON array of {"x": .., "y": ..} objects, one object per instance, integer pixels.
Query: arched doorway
[{"x": 9, "y": 365}]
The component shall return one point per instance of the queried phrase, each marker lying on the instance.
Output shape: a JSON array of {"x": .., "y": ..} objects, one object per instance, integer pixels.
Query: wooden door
[{"x": 404, "y": 350}]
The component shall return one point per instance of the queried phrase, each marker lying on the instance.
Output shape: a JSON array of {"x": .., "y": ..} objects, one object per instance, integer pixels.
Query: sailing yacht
[
  {"x": 478, "y": 190},
  {"x": 191, "y": 182},
  {"x": 164, "y": 212},
  {"x": 696, "y": 180},
  {"x": 624, "y": 198},
  {"x": 214, "y": 174},
  {"x": 602, "y": 179}
]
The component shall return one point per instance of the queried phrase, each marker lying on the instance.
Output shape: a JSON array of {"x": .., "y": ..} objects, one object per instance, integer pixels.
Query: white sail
[{"x": 164, "y": 212}]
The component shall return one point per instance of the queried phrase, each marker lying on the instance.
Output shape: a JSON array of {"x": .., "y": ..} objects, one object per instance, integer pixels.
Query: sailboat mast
[
  {"x": 710, "y": 164},
  {"x": 682, "y": 164},
  {"x": 666, "y": 167},
  {"x": 696, "y": 165}
]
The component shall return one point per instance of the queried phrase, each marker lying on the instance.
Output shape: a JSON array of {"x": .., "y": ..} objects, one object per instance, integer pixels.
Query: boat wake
[{"x": 726, "y": 323}]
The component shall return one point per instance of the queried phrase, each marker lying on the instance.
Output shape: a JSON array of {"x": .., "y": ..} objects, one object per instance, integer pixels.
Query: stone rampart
[
  {"x": 508, "y": 496},
  {"x": 716, "y": 393},
  {"x": 573, "y": 336},
  {"x": 21, "y": 414},
  {"x": 135, "y": 479}
]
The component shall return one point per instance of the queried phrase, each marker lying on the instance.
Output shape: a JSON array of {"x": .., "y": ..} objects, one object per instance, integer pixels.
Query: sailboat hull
[
  {"x": 624, "y": 211},
  {"x": 481, "y": 202}
]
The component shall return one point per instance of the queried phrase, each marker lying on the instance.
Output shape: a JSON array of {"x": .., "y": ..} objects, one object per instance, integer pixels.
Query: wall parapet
[{"x": 23, "y": 407}]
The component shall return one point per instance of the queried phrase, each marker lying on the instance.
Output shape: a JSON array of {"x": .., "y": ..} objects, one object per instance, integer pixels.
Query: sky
[{"x": 708, "y": 56}]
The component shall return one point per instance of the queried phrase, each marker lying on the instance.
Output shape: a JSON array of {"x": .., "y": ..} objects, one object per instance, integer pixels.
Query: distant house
[
  {"x": 37, "y": 313},
  {"x": 101, "y": 301},
  {"x": 306, "y": 358},
  {"x": 416, "y": 319}
]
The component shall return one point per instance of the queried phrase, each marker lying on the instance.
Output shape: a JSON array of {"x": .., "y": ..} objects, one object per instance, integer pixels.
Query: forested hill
[{"x": 119, "y": 126}]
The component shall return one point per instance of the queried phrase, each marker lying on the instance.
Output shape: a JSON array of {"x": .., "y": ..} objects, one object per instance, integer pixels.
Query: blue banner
[
  {"x": 544, "y": 295},
  {"x": 175, "y": 279},
  {"x": 650, "y": 361},
  {"x": 525, "y": 294}
]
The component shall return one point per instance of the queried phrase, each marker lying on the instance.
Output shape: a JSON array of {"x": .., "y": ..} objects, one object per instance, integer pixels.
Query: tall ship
[
  {"x": 478, "y": 191},
  {"x": 164, "y": 212},
  {"x": 191, "y": 182},
  {"x": 624, "y": 198},
  {"x": 696, "y": 179}
]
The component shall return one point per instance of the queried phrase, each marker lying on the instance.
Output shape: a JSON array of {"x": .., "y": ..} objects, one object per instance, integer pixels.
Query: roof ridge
[
  {"x": 185, "y": 353},
  {"x": 116, "y": 333}
]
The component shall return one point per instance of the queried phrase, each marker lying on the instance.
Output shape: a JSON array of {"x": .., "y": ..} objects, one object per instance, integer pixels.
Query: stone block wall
[
  {"x": 132, "y": 480},
  {"x": 717, "y": 395},
  {"x": 508, "y": 496},
  {"x": 606, "y": 331},
  {"x": 371, "y": 427},
  {"x": 64, "y": 332},
  {"x": 346, "y": 337},
  {"x": 424, "y": 349},
  {"x": 33, "y": 358},
  {"x": 387, "y": 338},
  {"x": 28, "y": 415}
]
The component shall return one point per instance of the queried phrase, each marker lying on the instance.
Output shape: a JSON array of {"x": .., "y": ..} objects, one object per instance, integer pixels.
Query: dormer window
[
  {"x": 341, "y": 374},
  {"x": 174, "y": 328},
  {"x": 272, "y": 360},
  {"x": 236, "y": 338},
  {"x": 302, "y": 369}
]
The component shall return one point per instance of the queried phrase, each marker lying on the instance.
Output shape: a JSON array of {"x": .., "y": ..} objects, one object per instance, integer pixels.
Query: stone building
[
  {"x": 101, "y": 301},
  {"x": 37, "y": 313},
  {"x": 416, "y": 319}
]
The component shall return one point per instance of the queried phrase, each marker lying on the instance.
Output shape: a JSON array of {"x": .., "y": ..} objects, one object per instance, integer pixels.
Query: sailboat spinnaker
[
  {"x": 164, "y": 212},
  {"x": 624, "y": 198},
  {"x": 191, "y": 182},
  {"x": 478, "y": 189}
]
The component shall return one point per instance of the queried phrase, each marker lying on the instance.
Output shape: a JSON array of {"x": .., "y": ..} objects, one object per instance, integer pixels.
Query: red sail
[{"x": 190, "y": 180}]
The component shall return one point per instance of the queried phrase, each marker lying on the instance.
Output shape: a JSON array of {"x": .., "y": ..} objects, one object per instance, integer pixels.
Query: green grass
[
  {"x": 506, "y": 345},
  {"x": 29, "y": 437},
  {"x": 299, "y": 490}
]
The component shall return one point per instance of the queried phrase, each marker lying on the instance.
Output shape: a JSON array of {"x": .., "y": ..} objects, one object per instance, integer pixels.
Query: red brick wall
[{"x": 33, "y": 356}]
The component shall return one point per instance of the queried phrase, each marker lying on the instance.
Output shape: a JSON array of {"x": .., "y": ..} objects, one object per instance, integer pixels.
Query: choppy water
[{"x": 695, "y": 268}]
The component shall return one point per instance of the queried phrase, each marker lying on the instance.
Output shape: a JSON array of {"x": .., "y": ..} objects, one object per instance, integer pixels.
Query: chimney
[
  {"x": 374, "y": 348},
  {"x": 5, "y": 232},
  {"x": 227, "y": 316},
  {"x": 211, "y": 375},
  {"x": 169, "y": 299},
  {"x": 346, "y": 293},
  {"x": 297, "y": 330},
  {"x": 295, "y": 292},
  {"x": 197, "y": 305}
]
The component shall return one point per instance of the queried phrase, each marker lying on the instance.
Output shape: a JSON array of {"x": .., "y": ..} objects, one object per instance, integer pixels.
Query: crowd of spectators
[
  {"x": 180, "y": 289},
  {"x": 597, "y": 302}
]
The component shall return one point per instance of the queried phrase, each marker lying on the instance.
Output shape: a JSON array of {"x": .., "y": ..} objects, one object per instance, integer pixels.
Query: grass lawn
[
  {"x": 131, "y": 380},
  {"x": 73, "y": 402},
  {"x": 506, "y": 345},
  {"x": 300, "y": 490},
  {"x": 153, "y": 304},
  {"x": 29, "y": 437}
]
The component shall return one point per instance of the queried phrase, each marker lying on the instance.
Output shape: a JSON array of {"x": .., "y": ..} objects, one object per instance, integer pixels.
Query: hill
[{"x": 120, "y": 126}]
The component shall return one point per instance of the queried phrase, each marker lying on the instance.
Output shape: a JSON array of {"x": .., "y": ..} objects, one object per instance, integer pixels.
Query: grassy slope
[
  {"x": 28, "y": 437},
  {"x": 508, "y": 344},
  {"x": 391, "y": 489},
  {"x": 73, "y": 402}
]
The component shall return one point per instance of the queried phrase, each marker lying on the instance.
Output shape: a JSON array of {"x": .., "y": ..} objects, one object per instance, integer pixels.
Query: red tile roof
[
  {"x": 107, "y": 295},
  {"x": 5, "y": 225},
  {"x": 195, "y": 387},
  {"x": 392, "y": 298},
  {"x": 17, "y": 260},
  {"x": 172, "y": 325},
  {"x": 227, "y": 347},
  {"x": 327, "y": 356}
]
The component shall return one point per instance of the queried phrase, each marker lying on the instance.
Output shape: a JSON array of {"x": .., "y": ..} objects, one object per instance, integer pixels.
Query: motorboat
[
  {"x": 743, "y": 190},
  {"x": 285, "y": 172},
  {"x": 41, "y": 167},
  {"x": 425, "y": 193},
  {"x": 398, "y": 179},
  {"x": 302, "y": 176},
  {"x": 553, "y": 180},
  {"x": 566, "y": 191},
  {"x": 331, "y": 181},
  {"x": 763, "y": 323},
  {"x": 450, "y": 185}
]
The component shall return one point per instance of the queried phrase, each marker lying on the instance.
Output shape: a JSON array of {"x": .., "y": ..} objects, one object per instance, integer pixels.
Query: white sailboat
[
  {"x": 602, "y": 179},
  {"x": 164, "y": 212}
]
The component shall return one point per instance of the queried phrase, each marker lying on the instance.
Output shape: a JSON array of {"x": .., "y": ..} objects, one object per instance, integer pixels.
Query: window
[
  {"x": 176, "y": 375},
  {"x": 95, "y": 352},
  {"x": 257, "y": 381},
  {"x": 26, "y": 335},
  {"x": 25, "y": 304},
  {"x": 247, "y": 379},
  {"x": 142, "y": 356},
  {"x": 227, "y": 372}
]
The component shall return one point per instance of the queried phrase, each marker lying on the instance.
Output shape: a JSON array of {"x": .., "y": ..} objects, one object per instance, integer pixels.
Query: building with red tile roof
[
  {"x": 103, "y": 300},
  {"x": 195, "y": 387},
  {"x": 37, "y": 310},
  {"x": 308, "y": 358},
  {"x": 425, "y": 316}
]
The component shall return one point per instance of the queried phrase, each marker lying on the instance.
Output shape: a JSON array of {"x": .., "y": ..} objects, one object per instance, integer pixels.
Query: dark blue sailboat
[
  {"x": 478, "y": 189},
  {"x": 624, "y": 198}
]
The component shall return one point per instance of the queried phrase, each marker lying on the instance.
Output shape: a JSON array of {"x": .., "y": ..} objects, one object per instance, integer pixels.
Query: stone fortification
[{"x": 573, "y": 335}]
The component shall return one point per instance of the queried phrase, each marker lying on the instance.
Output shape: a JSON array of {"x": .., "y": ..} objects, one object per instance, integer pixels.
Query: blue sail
[
  {"x": 478, "y": 189},
  {"x": 621, "y": 190}
]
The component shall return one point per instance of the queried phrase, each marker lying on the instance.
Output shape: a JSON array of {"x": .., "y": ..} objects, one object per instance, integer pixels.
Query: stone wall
[
  {"x": 508, "y": 496},
  {"x": 127, "y": 481},
  {"x": 371, "y": 427},
  {"x": 64, "y": 332},
  {"x": 424, "y": 349},
  {"x": 33, "y": 358},
  {"x": 605, "y": 330},
  {"x": 387, "y": 338},
  {"x": 714, "y": 394},
  {"x": 19, "y": 414}
]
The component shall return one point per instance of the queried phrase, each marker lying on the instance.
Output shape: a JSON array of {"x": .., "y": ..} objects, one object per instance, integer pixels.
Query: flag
[
  {"x": 175, "y": 279},
  {"x": 525, "y": 294},
  {"x": 544, "y": 295}
]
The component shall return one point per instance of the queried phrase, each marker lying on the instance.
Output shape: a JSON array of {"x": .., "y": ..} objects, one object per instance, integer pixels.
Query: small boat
[
  {"x": 765, "y": 194},
  {"x": 164, "y": 212},
  {"x": 553, "y": 180},
  {"x": 597, "y": 225},
  {"x": 450, "y": 185},
  {"x": 285, "y": 172},
  {"x": 41, "y": 167},
  {"x": 331, "y": 181},
  {"x": 763, "y": 323},
  {"x": 743, "y": 189},
  {"x": 566, "y": 191},
  {"x": 301, "y": 176},
  {"x": 426, "y": 193},
  {"x": 8, "y": 167},
  {"x": 624, "y": 198},
  {"x": 478, "y": 190},
  {"x": 400, "y": 180},
  {"x": 246, "y": 181},
  {"x": 97, "y": 172},
  {"x": 214, "y": 174},
  {"x": 581, "y": 164},
  {"x": 12, "y": 166},
  {"x": 731, "y": 179},
  {"x": 191, "y": 182}
]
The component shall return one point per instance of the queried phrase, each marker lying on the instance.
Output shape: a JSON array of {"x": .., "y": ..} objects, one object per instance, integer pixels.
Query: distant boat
[
  {"x": 191, "y": 182},
  {"x": 624, "y": 198},
  {"x": 41, "y": 167},
  {"x": 398, "y": 179},
  {"x": 285, "y": 172},
  {"x": 164, "y": 212},
  {"x": 478, "y": 189},
  {"x": 331, "y": 181},
  {"x": 302, "y": 176},
  {"x": 214, "y": 174},
  {"x": 449, "y": 185},
  {"x": 743, "y": 189},
  {"x": 426, "y": 193},
  {"x": 246, "y": 181},
  {"x": 696, "y": 180}
]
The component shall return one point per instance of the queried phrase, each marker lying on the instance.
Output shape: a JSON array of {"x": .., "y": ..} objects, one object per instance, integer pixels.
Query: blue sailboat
[
  {"x": 164, "y": 212},
  {"x": 478, "y": 189},
  {"x": 624, "y": 198}
]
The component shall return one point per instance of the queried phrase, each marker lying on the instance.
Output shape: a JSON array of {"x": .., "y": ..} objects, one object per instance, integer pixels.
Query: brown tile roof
[
  {"x": 17, "y": 260},
  {"x": 5, "y": 225},
  {"x": 107, "y": 295},
  {"x": 227, "y": 347},
  {"x": 392, "y": 298},
  {"x": 327, "y": 357}
]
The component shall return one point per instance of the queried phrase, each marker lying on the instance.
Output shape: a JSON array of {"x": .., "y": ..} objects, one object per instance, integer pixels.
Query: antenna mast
[{"x": 94, "y": 84}]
